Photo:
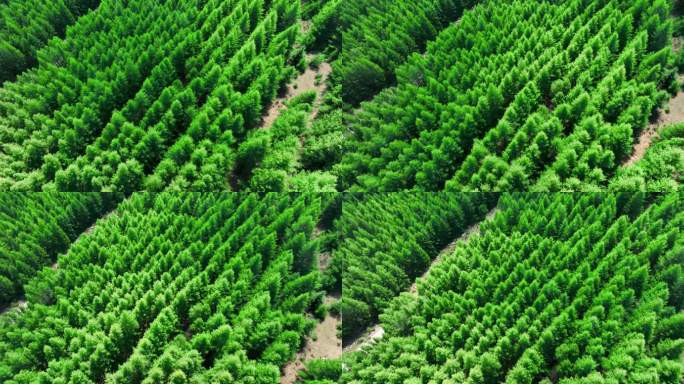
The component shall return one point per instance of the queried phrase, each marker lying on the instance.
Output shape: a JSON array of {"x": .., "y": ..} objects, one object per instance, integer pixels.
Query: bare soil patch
[
  {"x": 674, "y": 114},
  {"x": 305, "y": 82},
  {"x": 368, "y": 337},
  {"x": 324, "y": 345},
  {"x": 18, "y": 305},
  {"x": 324, "y": 259}
]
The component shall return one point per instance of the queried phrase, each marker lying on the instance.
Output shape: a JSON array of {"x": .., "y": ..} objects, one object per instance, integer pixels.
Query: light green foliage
[
  {"x": 271, "y": 159},
  {"x": 661, "y": 168},
  {"x": 35, "y": 228},
  {"x": 374, "y": 268},
  {"x": 26, "y": 26},
  {"x": 567, "y": 288},
  {"x": 173, "y": 288},
  {"x": 519, "y": 95},
  {"x": 146, "y": 94}
]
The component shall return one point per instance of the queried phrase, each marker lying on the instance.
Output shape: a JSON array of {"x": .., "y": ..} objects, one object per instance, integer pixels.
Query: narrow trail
[
  {"x": 674, "y": 114},
  {"x": 90, "y": 229},
  {"x": 369, "y": 336},
  {"x": 376, "y": 332},
  {"x": 323, "y": 73},
  {"x": 87, "y": 231},
  {"x": 312, "y": 79},
  {"x": 449, "y": 249},
  {"x": 325, "y": 343},
  {"x": 319, "y": 83}
]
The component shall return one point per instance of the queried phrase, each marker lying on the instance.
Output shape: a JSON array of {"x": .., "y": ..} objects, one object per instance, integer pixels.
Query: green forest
[
  {"x": 202, "y": 288},
  {"x": 550, "y": 288},
  {"x": 332, "y": 95},
  {"x": 424, "y": 223},
  {"x": 36, "y": 228},
  {"x": 323, "y": 288},
  {"x": 341, "y": 191}
]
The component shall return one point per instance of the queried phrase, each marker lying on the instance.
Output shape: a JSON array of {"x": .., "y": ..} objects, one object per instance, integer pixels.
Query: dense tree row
[
  {"x": 173, "y": 288},
  {"x": 146, "y": 94},
  {"x": 26, "y": 26},
  {"x": 386, "y": 241},
  {"x": 379, "y": 35},
  {"x": 35, "y": 228},
  {"x": 319, "y": 371},
  {"x": 558, "y": 288},
  {"x": 661, "y": 168},
  {"x": 324, "y": 144},
  {"x": 518, "y": 95},
  {"x": 270, "y": 159},
  {"x": 325, "y": 30}
]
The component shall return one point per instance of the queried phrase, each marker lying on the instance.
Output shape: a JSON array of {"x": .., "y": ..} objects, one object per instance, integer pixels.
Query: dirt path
[
  {"x": 674, "y": 114},
  {"x": 368, "y": 337},
  {"x": 377, "y": 332},
  {"x": 325, "y": 343},
  {"x": 323, "y": 72},
  {"x": 87, "y": 231},
  {"x": 305, "y": 82},
  {"x": 449, "y": 249}
]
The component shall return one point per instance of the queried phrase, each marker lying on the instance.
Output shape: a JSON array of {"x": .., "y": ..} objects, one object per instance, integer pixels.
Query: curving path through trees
[{"x": 376, "y": 331}]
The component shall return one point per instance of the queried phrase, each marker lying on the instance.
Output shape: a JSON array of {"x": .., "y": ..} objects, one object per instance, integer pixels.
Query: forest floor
[
  {"x": 311, "y": 80},
  {"x": 324, "y": 343},
  {"x": 673, "y": 113},
  {"x": 376, "y": 332}
]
